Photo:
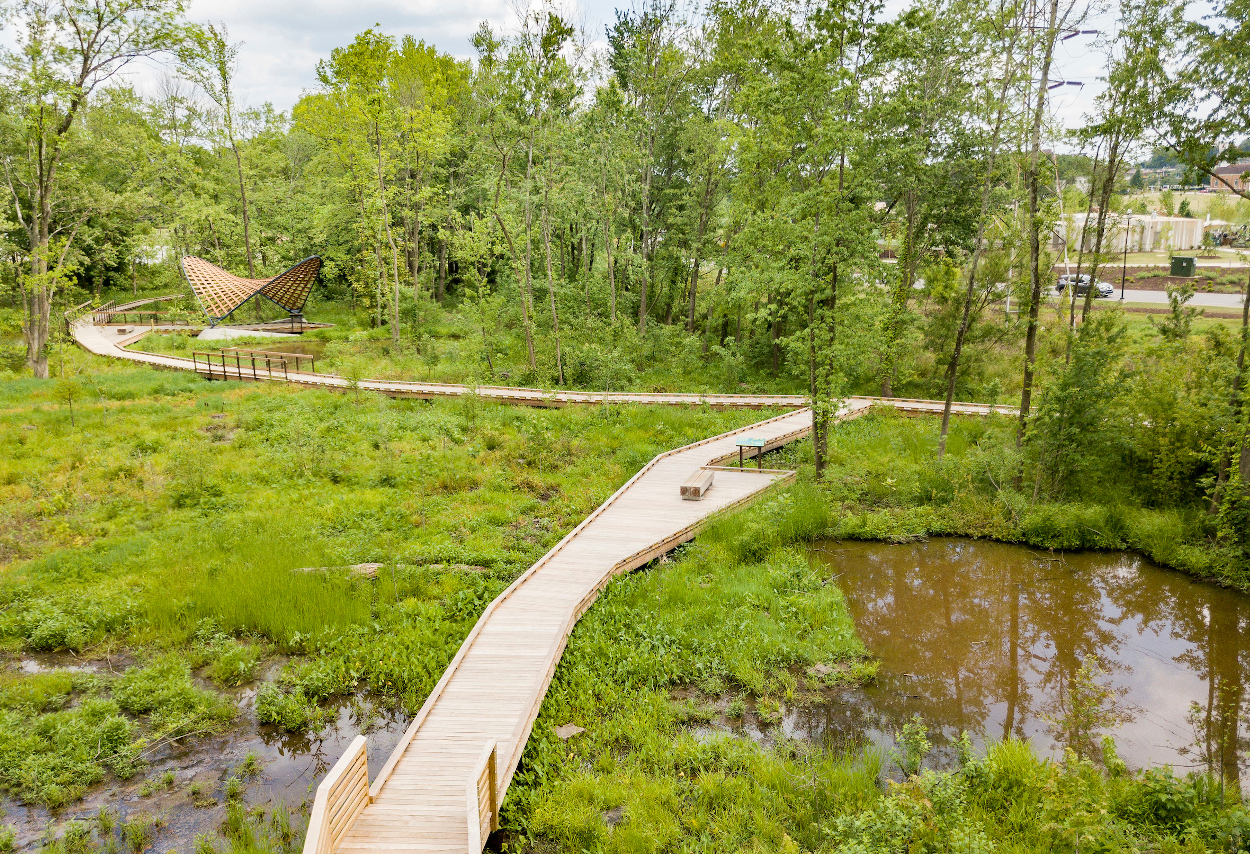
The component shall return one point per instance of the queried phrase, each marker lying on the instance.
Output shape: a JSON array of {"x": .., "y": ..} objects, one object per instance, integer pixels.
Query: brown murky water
[
  {"x": 987, "y": 638},
  {"x": 291, "y": 764}
]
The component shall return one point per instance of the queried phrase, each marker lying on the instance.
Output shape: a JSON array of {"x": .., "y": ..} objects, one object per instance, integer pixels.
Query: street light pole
[{"x": 1128, "y": 234}]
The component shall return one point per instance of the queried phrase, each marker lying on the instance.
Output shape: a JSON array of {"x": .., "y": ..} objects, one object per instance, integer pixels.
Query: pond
[{"x": 991, "y": 639}]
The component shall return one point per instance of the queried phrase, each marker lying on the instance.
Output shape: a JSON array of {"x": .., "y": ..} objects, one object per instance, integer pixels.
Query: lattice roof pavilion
[{"x": 221, "y": 293}]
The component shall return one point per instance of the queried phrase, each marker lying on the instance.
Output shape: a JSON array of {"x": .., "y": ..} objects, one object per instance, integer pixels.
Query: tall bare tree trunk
[
  {"x": 247, "y": 220},
  {"x": 529, "y": 284},
  {"x": 37, "y": 290},
  {"x": 551, "y": 285},
  {"x": 390, "y": 239},
  {"x": 1035, "y": 273},
  {"x": 902, "y": 292},
  {"x": 646, "y": 236},
  {"x": 607, "y": 246}
]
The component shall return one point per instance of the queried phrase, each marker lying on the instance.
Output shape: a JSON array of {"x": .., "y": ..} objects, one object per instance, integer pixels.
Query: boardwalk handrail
[
  {"x": 145, "y": 301},
  {"x": 341, "y": 796},
  {"x": 298, "y": 358},
  {"x": 482, "y": 798},
  {"x": 241, "y": 362}
]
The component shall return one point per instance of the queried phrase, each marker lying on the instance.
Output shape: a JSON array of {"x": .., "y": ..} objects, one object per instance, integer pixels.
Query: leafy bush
[
  {"x": 164, "y": 692},
  {"x": 53, "y": 758},
  {"x": 233, "y": 663},
  {"x": 57, "y": 623},
  {"x": 288, "y": 710}
]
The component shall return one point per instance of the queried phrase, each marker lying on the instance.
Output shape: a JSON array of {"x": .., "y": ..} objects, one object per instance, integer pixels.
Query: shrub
[
  {"x": 233, "y": 663},
  {"x": 288, "y": 710},
  {"x": 164, "y": 692},
  {"x": 52, "y": 759}
]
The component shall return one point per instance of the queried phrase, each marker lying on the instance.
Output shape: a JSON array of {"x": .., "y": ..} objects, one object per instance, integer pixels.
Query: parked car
[{"x": 1101, "y": 289}]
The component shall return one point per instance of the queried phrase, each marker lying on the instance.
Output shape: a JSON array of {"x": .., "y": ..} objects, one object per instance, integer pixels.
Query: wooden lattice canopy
[{"x": 221, "y": 293}]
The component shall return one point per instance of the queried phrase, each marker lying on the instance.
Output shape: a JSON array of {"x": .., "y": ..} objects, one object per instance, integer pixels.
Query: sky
[{"x": 282, "y": 40}]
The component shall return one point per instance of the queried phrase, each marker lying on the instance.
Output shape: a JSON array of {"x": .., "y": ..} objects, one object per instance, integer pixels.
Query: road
[{"x": 1161, "y": 298}]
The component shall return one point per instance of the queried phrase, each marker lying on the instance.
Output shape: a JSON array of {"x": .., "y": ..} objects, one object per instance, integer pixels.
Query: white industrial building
[{"x": 1146, "y": 232}]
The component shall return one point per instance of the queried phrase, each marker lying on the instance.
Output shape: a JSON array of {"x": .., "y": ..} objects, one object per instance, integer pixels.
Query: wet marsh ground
[
  {"x": 155, "y": 529},
  {"x": 177, "y": 595}
]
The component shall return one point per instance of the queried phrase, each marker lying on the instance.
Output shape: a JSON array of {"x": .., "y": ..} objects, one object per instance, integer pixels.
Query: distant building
[
  {"x": 1233, "y": 173},
  {"x": 1147, "y": 233}
]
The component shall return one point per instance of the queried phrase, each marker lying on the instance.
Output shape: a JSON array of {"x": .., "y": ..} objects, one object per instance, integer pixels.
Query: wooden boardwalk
[
  {"x": 111, "y": 342},
  {"x": 441, "y": 788},
  {"x": 427, "y": 797}
]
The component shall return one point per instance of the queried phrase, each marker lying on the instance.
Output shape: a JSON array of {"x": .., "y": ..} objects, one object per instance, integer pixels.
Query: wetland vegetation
[
  {"x": 156, "y": 608},
  {"x": 207, "y": 590}
]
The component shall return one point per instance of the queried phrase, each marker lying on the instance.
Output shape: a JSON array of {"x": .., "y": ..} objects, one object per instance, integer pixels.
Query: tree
[
  {"x": 652, "y": 71},
  {"x": 64, "y": 51},
  {"x": 1198, "y": 66},
  {"x": 1137, "y": 182},
  {"x": 925, "y": 150},
  {"x": 1046, "y": 37},
  {"x": 210, "y": 61},
  {"x": 354, "y": 116},
  {"x": 808, "y": 204},
  {"x": 1003, "y": 40}
]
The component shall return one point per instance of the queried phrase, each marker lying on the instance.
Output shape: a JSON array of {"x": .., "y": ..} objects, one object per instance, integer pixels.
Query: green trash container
[{"x": 1183, "y": 265}]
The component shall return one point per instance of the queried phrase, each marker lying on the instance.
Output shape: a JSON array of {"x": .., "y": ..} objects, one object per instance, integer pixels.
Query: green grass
[
  {"x": 201, "y": 528},
  {"x": 449, "y": 347}
]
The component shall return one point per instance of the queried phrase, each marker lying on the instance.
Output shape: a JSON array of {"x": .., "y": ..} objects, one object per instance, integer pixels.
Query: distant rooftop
[{"x": 1238, "y": 168}]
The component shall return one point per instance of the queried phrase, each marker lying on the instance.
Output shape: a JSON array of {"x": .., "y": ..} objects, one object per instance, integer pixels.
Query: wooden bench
[{"x": 697, "y": 485}]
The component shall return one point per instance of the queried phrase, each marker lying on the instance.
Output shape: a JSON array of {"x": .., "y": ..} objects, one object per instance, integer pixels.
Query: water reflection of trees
[
  {"x": 1213, "y": 621},
  {"x": 989, "y": 638}
]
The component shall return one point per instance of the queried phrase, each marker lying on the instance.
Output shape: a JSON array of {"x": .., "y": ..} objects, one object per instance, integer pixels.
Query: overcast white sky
[{"x": 284, "y": 39}]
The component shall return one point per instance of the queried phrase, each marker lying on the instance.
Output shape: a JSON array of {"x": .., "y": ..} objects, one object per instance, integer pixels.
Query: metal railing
[
  {"x": 113, "y": 317},
  {"x": 238, "y": 366},
  {"x": 298, "y": 358}
]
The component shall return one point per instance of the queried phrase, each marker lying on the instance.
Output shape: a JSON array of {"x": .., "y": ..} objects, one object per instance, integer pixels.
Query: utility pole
[{"x": 1128, "y": 234}]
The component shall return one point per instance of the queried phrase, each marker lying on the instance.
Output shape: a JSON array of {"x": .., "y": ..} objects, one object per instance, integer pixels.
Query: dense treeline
[{"x": 830, "y": 197}]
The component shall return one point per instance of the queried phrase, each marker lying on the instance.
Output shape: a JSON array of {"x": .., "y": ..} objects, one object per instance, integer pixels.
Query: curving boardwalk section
[
  {"x": 110, "y": 342},
  {"x": 441, "y": 788},
  {"x": 490, "y": 694}
]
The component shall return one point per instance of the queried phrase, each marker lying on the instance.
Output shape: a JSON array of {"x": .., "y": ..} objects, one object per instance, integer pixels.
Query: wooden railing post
[
  {"x": 482, "y": 798},
  {"x": 341, "y": 796}
]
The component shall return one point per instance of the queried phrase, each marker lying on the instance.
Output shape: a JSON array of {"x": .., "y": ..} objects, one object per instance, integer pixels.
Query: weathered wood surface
[
  {"x": 695, "y": 487},
  {"x": 341, "y": 796}
]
